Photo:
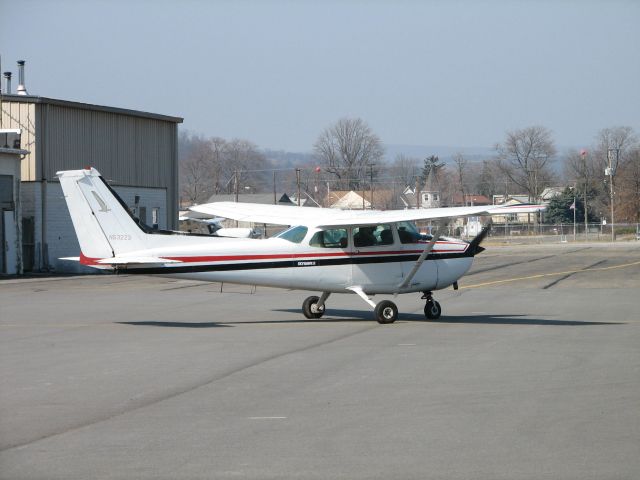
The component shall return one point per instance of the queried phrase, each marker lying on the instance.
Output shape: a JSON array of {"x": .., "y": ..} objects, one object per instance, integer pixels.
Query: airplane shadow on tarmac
[
  {"x": 366, "y": 316},
  {"x": 350, "y": 315},
  {"x": 153, "y": 323}
]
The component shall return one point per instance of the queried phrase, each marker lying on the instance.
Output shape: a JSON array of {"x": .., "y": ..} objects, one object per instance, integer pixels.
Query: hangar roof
[{"x": 88, "y": 106}]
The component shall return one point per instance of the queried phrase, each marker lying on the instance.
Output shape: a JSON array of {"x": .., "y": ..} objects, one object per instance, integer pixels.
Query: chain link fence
[{"x": 541, "y": 233}]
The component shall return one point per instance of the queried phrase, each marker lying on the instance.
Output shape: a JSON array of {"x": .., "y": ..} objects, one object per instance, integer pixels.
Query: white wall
[{"x": 61, "y": 240}]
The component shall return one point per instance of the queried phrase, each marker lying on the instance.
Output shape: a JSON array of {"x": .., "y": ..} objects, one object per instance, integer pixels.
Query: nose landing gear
[{"x": 432, "y": 308}]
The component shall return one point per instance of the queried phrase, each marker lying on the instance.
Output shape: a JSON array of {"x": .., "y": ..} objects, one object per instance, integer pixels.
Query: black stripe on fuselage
[{"x": 292, "y": 263}]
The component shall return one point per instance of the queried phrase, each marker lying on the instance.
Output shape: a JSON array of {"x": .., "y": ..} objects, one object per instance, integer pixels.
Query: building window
[{"x": 155, "y": 217}]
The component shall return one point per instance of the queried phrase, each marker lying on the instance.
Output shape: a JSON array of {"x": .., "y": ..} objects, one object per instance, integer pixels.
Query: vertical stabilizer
[{"x": 103, "y": 225}]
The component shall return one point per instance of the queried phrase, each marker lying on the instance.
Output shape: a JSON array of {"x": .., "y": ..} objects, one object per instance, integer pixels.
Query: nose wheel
[{"x": 432, "y": 309}]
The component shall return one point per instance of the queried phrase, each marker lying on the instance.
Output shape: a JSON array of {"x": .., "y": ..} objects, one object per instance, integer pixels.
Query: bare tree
[
  {"x": 629, "y": 187},
  {"x": 492, "y": 180},
  {"x": 346, "y": 148},
  {"x": 581, "y": 169},
  {"x": 621, "y": 138},
  {"x": 625, "y": 141},
  {"x": 461, "y": 167},
  {"x": 243, "y": 157},
  {"x": 403, "y": 169},
  {"x": 219, "y": 167},
  {"x": 525, "y": 157},
  {"x": 195, "y": 172}
]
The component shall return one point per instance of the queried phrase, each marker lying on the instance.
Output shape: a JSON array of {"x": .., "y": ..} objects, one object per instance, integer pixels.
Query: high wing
[{"x": 328, "y": 217}]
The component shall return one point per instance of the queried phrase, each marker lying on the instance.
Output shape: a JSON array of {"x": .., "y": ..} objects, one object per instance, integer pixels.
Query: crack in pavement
[{"x": 181, "y": 391}]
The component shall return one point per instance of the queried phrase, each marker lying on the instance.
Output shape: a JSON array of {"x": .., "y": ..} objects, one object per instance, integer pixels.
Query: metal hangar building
[{"x": 136, "y": 152}]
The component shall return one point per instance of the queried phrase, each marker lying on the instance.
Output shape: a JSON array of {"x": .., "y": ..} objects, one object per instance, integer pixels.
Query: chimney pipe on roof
[
  {"x": 21, "y": 90},
  {"x": 7, "y": 75}
]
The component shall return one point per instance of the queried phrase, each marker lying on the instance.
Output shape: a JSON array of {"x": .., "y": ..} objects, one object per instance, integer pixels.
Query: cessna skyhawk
[{"x": 325, "y": 250}]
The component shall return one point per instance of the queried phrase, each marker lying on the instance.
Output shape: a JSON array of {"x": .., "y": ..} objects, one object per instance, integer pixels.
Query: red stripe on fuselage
[{"x": 84, "y": 260}]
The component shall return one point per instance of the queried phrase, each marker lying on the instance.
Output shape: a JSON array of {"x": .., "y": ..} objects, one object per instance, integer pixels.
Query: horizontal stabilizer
[{"x": 70, "y": 259}]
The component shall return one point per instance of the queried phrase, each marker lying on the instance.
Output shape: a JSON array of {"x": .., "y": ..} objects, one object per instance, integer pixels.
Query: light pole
[{"x": 612, "y": 156}]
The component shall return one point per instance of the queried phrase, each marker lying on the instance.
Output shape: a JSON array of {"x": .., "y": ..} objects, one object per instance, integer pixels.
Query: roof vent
[
  {"x": 21, "y": 90},
  {"x": 7, "y": 76}
]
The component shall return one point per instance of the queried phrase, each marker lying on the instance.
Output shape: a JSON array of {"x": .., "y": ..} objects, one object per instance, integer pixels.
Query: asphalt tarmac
[{"x": 533, "y": 372}]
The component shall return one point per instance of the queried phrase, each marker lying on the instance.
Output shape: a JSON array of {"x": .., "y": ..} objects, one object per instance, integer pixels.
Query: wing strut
[{"x": 420, "y": 261}]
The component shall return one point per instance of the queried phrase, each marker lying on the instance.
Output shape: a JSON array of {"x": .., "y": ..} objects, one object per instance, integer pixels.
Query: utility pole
[
  {"x": 583, "y": 155},
  {"x": 298, "y": 181},
  {"x": 418, "y": 191},
  {"x": 275, "y": 200},
  {"x": 612, "y": 155},
  {"x": 371, "y": 165},
  {"x": 235, "y": 187},
  {"x": 574, "y": 214}
]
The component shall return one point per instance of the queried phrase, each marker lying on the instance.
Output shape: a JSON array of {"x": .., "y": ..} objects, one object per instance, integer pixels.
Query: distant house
[
  {"x": 428, "y": 198},
  {"x": 356, "y": 200},
  {"x": 511, "y": 200},
  {"x": 470, "y": 200}
]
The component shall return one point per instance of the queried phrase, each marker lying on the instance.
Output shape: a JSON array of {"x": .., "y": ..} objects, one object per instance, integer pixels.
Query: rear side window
[{"x": 332, "y": 238}]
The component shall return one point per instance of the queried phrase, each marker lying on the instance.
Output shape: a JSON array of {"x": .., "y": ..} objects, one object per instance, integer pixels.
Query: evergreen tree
[{"x": 559, "y": 209}]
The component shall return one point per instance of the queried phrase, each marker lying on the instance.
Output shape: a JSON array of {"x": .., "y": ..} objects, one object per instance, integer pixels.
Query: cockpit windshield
[{"x": 294, "y": 234}]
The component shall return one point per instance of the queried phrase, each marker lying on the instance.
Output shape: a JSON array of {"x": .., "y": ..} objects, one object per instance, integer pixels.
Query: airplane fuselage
[{"x": 303, "y": 265}]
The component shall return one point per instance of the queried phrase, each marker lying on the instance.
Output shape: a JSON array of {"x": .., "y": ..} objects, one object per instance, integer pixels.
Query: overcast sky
[{"x": 454, "y": 73}]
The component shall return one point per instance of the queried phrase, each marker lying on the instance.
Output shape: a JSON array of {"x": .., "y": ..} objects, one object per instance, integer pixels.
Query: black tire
[
  {"x": 432, "y": 310},
  {"x": 386, "y": 312},
  {"x": 309, "y": 309}
]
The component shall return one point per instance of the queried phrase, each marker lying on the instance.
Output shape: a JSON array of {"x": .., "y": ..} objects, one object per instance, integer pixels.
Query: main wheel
[
  {"x": 386, "y": 312},
  {"x": 432, "y": 310},
  {"x": 310, "y": 308}
]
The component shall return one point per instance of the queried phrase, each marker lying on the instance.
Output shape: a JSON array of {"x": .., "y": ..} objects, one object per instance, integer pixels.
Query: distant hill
[
  {"x": 284, "y": 159},
  {"x": 445, "y": 153}
]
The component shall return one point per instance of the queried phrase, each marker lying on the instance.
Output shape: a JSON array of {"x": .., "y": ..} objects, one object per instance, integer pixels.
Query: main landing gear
[
  {"x": 313, "y": 307},
  {"x": 384, "y": 312}
]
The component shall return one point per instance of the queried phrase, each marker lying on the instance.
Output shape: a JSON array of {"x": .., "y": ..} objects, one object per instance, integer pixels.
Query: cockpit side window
[
  {"x": 408, "y": 233},
  {"x": 331, "y": 238},
  {"x": 294, "y": 234},
  {"x": 372, "y": 235}
]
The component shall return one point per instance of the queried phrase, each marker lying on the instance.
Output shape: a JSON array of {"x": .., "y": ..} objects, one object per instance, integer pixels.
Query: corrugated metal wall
[
  {"x": 129, "y": 150},
  {"x": 22, "y": 115},
  {"x": 126, "y": 150}
]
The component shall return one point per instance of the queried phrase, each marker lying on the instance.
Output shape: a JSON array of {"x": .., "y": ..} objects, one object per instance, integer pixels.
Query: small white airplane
[
  {"x": 214, "y": 227},
  {"x": 325, "y": 250}
]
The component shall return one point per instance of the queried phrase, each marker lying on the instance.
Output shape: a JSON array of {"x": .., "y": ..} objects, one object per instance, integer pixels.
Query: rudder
[{"x": 103, "y": 225}]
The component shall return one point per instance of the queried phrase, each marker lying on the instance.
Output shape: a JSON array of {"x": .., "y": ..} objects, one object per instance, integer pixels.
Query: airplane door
[
  {"x": 412, "y": 244},
  {"x": 375, "y": 266}
]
